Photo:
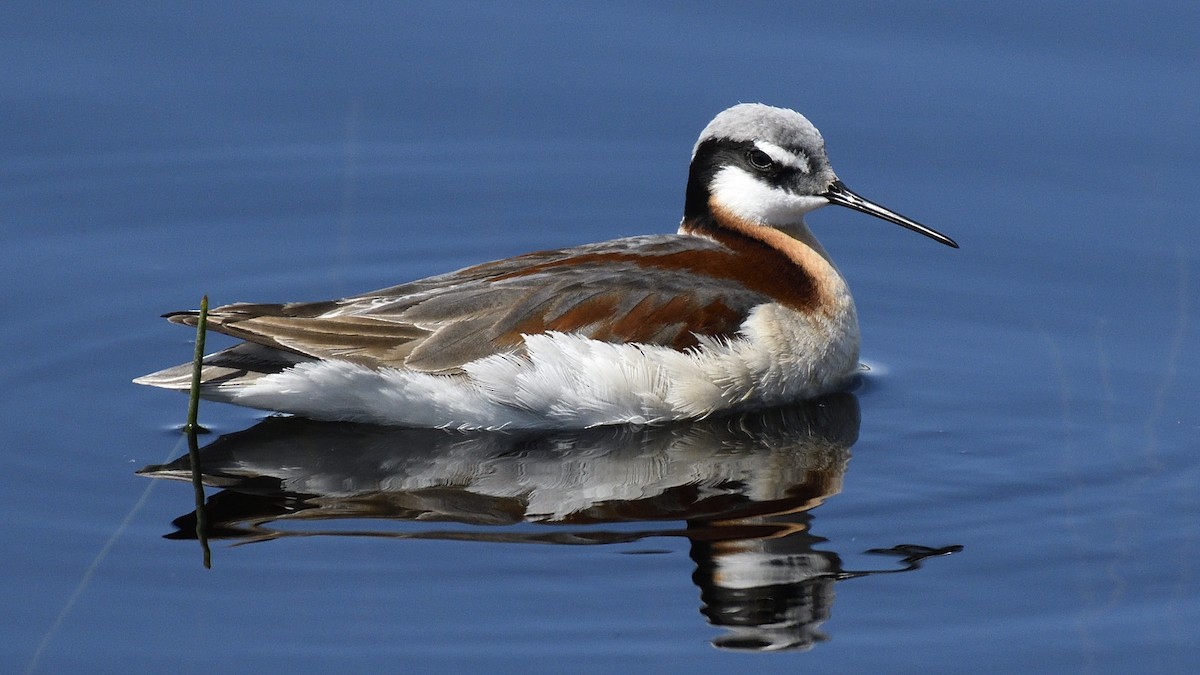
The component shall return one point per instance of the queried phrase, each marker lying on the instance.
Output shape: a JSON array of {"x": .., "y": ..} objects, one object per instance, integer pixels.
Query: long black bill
[{"x": 841, "y": 195}]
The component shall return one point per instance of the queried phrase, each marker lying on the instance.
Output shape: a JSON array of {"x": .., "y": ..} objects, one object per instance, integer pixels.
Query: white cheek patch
[
  {"x": 784, "y": 157},
  {"x": 745, "y": 196}
]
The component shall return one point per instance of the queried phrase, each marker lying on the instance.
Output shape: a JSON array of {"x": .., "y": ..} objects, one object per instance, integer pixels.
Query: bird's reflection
[{"x": 742, "y": 485}]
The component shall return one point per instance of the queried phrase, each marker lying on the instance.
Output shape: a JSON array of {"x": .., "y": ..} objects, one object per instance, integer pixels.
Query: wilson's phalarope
[{"x": 742, "y": 308}]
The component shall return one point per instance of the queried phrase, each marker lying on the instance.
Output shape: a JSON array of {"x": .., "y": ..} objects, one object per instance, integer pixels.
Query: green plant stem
[
  {"x": 193, "y": 428},
  {"x": 197, "y": 364}
]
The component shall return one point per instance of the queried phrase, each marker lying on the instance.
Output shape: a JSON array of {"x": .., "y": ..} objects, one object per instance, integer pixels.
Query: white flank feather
[{"x": 568, "y": 381}]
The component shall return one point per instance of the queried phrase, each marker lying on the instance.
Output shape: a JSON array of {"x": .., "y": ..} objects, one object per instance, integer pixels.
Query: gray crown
[{"x": 760, "y": 122}]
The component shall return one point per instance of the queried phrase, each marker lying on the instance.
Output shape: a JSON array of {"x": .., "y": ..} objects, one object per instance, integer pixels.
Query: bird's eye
[{"x": 760, "y": 160}]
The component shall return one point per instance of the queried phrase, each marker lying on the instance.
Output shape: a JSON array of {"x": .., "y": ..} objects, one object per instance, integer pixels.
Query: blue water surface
[{"x": 1017, "y": 472}]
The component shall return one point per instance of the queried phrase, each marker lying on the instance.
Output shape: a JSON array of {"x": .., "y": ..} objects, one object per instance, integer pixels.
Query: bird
[{"x": 740, "y": 309}]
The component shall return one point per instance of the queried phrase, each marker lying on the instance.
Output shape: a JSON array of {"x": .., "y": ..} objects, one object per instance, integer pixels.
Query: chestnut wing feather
[{"x": 659, "y": 290}]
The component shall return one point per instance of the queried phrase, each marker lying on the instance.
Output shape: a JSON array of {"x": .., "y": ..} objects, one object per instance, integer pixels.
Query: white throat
[{"x": 748, "y": 198}]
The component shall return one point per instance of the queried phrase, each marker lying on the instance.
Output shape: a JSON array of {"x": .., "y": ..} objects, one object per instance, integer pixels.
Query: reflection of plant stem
[
  {"x": 198, "y": 488},
  {"x": 192, "y": 428}
]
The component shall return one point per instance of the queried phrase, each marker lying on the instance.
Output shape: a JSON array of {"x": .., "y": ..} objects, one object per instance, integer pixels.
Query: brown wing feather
[{"x": 662, "y": 290}]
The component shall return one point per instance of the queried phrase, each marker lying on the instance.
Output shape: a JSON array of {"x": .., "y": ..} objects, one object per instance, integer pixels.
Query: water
[{"x": 1031, "y": 398}]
